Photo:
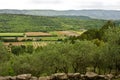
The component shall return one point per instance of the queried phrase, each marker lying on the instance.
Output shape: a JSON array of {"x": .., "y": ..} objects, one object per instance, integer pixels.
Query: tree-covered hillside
[{"x": 24, "y": 23}]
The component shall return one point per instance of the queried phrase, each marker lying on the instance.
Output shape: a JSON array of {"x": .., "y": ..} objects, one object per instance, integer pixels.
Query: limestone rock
[
  {"x": 34, "y": 78},
  {"x": 91, "y": 75},
  {"x": 24, "y": 77},
  {"x": 109, "y": 76},
  {"x": 45, "y": 78},
  {"x": 73, "y": 76},
  {"x": 12, "y": 78},
  {"x": 59, "y": 76},
  {"x": 2, "y": 78}
]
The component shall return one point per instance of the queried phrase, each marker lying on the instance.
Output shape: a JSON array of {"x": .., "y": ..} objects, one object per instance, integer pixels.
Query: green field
[
  {"x": 51, "y": 38},
  {"x": 11, "y": 34},
  {"x": 28, "y": 43},
  {"x": 60, "y": 35},
  {"x": 19, "y": 39}
]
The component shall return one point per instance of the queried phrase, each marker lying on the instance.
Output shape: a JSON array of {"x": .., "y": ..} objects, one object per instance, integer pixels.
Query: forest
[{"x": 29, "y": 23}]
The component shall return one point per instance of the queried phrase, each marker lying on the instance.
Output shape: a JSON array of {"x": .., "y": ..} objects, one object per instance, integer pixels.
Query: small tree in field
[{"x": 29, "y": 49}]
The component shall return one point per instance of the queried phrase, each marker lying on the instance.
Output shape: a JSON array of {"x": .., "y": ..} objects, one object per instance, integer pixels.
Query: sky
[{"x": 60, "y": 4}]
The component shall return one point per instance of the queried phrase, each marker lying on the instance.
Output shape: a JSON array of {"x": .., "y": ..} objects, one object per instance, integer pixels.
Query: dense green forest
[
  {"x": 88, "y": 52},
  {"x": 27, "y": 23}
]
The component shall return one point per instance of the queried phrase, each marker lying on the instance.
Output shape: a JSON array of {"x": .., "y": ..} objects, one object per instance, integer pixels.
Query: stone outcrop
[
  {"x": 34, "y": 78},
  {"x": 24, "y": 77},
  {"x": 117, "y": 77},
  {"x": 45, "y": 78},
  {"x": 63, "y": 76},
  {"x": 109, "y": 76},
  {"x": 91, "y": 75},
  {"x": 74, "y": 76},
  {"x": 59, "y": 76}
]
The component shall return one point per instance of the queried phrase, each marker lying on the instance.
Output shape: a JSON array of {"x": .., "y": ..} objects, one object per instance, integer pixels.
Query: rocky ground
[{"x": 63, "y": 76}]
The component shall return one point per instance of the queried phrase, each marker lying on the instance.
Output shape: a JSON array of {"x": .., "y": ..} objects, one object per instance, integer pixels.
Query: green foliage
[
  {"x": 112, "y": 36},
  {"x": 17, "y": 50},
  {"x": 22, "y": 49},
  {"x": 109, "y": 24},
  {"x": 27, "y": 23},
  {"x": 29, "y": 49},
  {"x": 6, "y": 69},
  {"x": 90, "y": 35},
  {"x": 97, "y": 53},
  {"x": 81, "y": 55},
  {"x": 4, "y": 55}
]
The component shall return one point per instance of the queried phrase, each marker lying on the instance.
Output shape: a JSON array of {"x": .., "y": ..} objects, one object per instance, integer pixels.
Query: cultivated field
[
  {"x": 67, "y": 33},
  {"x": 36, "y": 38},
  {"x": 35, "y": 44},
  {"x": 37, "y": 34},
  {"x": 11, "y": 34}
]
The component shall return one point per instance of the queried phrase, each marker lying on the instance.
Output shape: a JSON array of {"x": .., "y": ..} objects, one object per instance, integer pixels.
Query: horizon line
[{"x": 65, "y": 9}]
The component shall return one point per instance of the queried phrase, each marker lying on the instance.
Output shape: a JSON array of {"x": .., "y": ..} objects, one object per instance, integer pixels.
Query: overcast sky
[{"x": 60, "y": 4}]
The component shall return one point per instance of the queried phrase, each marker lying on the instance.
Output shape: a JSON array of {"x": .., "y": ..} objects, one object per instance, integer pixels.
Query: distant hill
[
  {"x": 98, "y": 14},
  {"x": 26, "y": 23}
]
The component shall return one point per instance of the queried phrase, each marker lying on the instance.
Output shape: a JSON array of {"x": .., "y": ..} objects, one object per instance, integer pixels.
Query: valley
[{"x": 46, "y": 45}]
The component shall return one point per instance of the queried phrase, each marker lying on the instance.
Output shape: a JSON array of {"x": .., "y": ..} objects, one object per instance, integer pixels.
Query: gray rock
[
  {"x": 101, "y": 77},
  {"x": 5, "y": 78},
  {"x": 82, "y": 76},
  {"x": 77, "y": 74},
  {"x": 117, "y": 77},
  {"x": 34, "y": 78},
  {"x": 109, "y": 76},
  {"x": 91, "y": 75},
  {"x": 2, "y": 78},
  {"x": 72, "y": 76},
  {"x": 59, "y": 76},
  {"x": 45, "y": 78},
  {"x": 24, "y": 77},
  {"x": 12, "y": 78}
]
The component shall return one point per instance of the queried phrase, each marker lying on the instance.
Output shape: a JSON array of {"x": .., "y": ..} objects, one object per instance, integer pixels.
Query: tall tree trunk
[
  {"x": 99, "y": 70},
  {"x": 110, "y": 69},
  {"x": 94, "y": 69}
]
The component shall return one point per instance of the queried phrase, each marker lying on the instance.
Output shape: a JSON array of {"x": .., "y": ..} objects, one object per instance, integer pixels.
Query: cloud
[
  {"x": 94, "y": 4},
  {"x": 45, "y": 1},
  {"x": 60, "y": 4}
]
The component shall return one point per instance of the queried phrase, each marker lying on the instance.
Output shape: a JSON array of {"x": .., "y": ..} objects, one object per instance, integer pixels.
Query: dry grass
[
  {"x": 35, "y": 44},
  {"x": 37, "y": 34},
  {"x": 67, "y": 33},
  {"x": 14, "y": 43}
]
